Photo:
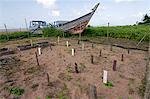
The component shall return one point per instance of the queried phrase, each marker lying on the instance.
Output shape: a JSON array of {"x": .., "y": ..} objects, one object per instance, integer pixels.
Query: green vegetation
[
  {"x": 127, "y": 32},
  {"x": 16, "y": 91},
  {"x": 109, "y": 85},
  {"x": 135, "y": 32}
]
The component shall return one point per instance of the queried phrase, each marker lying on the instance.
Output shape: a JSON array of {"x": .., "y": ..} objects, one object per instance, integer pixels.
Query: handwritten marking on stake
[{"x": 105, "y": 76}]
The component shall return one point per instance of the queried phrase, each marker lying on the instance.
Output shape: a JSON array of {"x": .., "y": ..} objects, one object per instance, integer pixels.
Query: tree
[{"x": 146, "y": 18}]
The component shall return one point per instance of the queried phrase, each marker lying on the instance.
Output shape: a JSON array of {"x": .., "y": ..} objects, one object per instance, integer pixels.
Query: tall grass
[{"x": 128, "y": 32}]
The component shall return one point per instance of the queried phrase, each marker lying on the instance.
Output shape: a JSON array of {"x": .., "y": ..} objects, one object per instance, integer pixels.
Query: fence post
[
  {"x": 48, "y": 78},
  {"x": 114, "y": 65},
  {"x": 92, "y": 59},
  {"x": 37, "y": 58},
  {"x": 100, "y": 53},
  {"x": 122, "y": 58},
  {"x": 76, "y": 68}
]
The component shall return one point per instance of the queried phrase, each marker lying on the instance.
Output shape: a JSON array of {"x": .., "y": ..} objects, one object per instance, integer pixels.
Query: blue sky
[{"x": 117, "y": 12}]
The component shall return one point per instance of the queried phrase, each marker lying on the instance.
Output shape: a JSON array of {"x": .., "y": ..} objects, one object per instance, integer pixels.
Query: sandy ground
[{"x": 24, "y": 73}]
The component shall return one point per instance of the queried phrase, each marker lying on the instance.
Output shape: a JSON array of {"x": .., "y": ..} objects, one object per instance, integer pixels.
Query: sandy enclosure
[{"x": 64, "y": 82}]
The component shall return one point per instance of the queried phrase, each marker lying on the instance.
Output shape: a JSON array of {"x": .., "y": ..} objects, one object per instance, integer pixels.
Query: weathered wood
[
  {"x": 76, "y": 68},
  {"x": 92, "y": 60},
  {"x": 100, "y": 53},
  {"x": 92, "y": 92},
  {"x": 122, "y": 57},
  {"x": 6, "y": 51},
  {"x": 48, "y": 81},
  {"x": 37, "y": 58},
  {"x": 114, "y": 65}
]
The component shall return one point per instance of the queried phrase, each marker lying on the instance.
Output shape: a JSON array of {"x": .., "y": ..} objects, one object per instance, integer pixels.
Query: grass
[
  {"x": 109, "y": 84},
  {"x": 16, "y": 91},
  {"x": 127, "y": 32}
]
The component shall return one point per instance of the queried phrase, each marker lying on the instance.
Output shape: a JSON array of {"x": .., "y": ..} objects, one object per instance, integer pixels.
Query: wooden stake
[
  {"x": 114, "y": 65},
  {"x": 39, "y": 51},
  {"x": 92, "y": 92},
  {"x": 67, "y": 43},
  {"x": 111, "y": 47},
  {"x": 58, "y": 39},
  {"x": 76, "y": 68},
  {"x": 92, "y": 59},
  {"x": 92, "y": 45},
  {"x": 100, "y": 53},
  {"x": 48, "y": 78},
  {"x": 73, "y": 52},
  {"x": 6, "y": 31},
  {"x": 78, "y": 41},
  {"x": 82, "y": 46},
  {"x": 128, "y": 51},
  {"x": 37, "y": 58},
  {"x": 31, "y": 42},
  {"x": 122, "y": 57},
  {"x": 104, "y": 76}
]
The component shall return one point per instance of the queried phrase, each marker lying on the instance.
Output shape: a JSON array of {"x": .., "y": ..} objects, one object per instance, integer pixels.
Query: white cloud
[
  {"x": 47, "y": 3},
  {"x": 126, "y": 0},
  {"x": 55, "y": 13}
]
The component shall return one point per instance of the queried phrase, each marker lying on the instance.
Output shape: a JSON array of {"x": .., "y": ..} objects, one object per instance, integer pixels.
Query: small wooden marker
[
  {"x": 122, "y": 57},
  {"x": 31, "y": 42},
  {"x": 111, "y": 47},
  {"x": 82, "y": 46},
  {"x": 92, "y": 59},
  {"x": 37, "y": 58},
  {"x": 50, "y": 47},
  {"x": 128, "y": 51},
  {"x": 48, "y": 78},
  {"x": 114, "y": 65},
  {"x": 78, "y": 41},
  {"x": 92, "y": 45},
  {"x": 39, "y": 51},
  {"x": 76, "y": 68},
  {"x": 105, "y": 76},
  {"x": 73, "y": 52},
  {"x": 67, "y": 43},
  {"x": 58, "y": 39},
  {"x": 100, "y": 53}
]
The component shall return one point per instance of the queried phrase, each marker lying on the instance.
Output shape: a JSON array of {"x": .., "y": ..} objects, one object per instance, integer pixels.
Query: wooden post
[
  {"x": 6, "y": 31},
  {"x": 37, "y": 58},
  {"x": 107, "y": 32},
  {"x": 76, "y": 68},
  {"x": 73, "y": 52},
  {"x": 82, "y": 46},
  {"x": 48, "y": 78},
  {"x": 122, "y": 57},
  {"x": 92, "y": 59},
  {"x": 78, "y": 42},
  {"x": 110, "y": 47},
  {"x": 92, "y": 45},
  {"x": 39, "y": 51},
  {"x": 114, "y": 65},
  {"x": 105, "y": 76},
  {"x": 128, "y": 51},
  {"x": 100, "y": 53},
  {"x": 92, "y": 92},
  {"x": 67, "y": 43},
  {"x": 58, "y": 39},
  {"x": 31, "y": 42},
  {"x": 50, "y": 47}
]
